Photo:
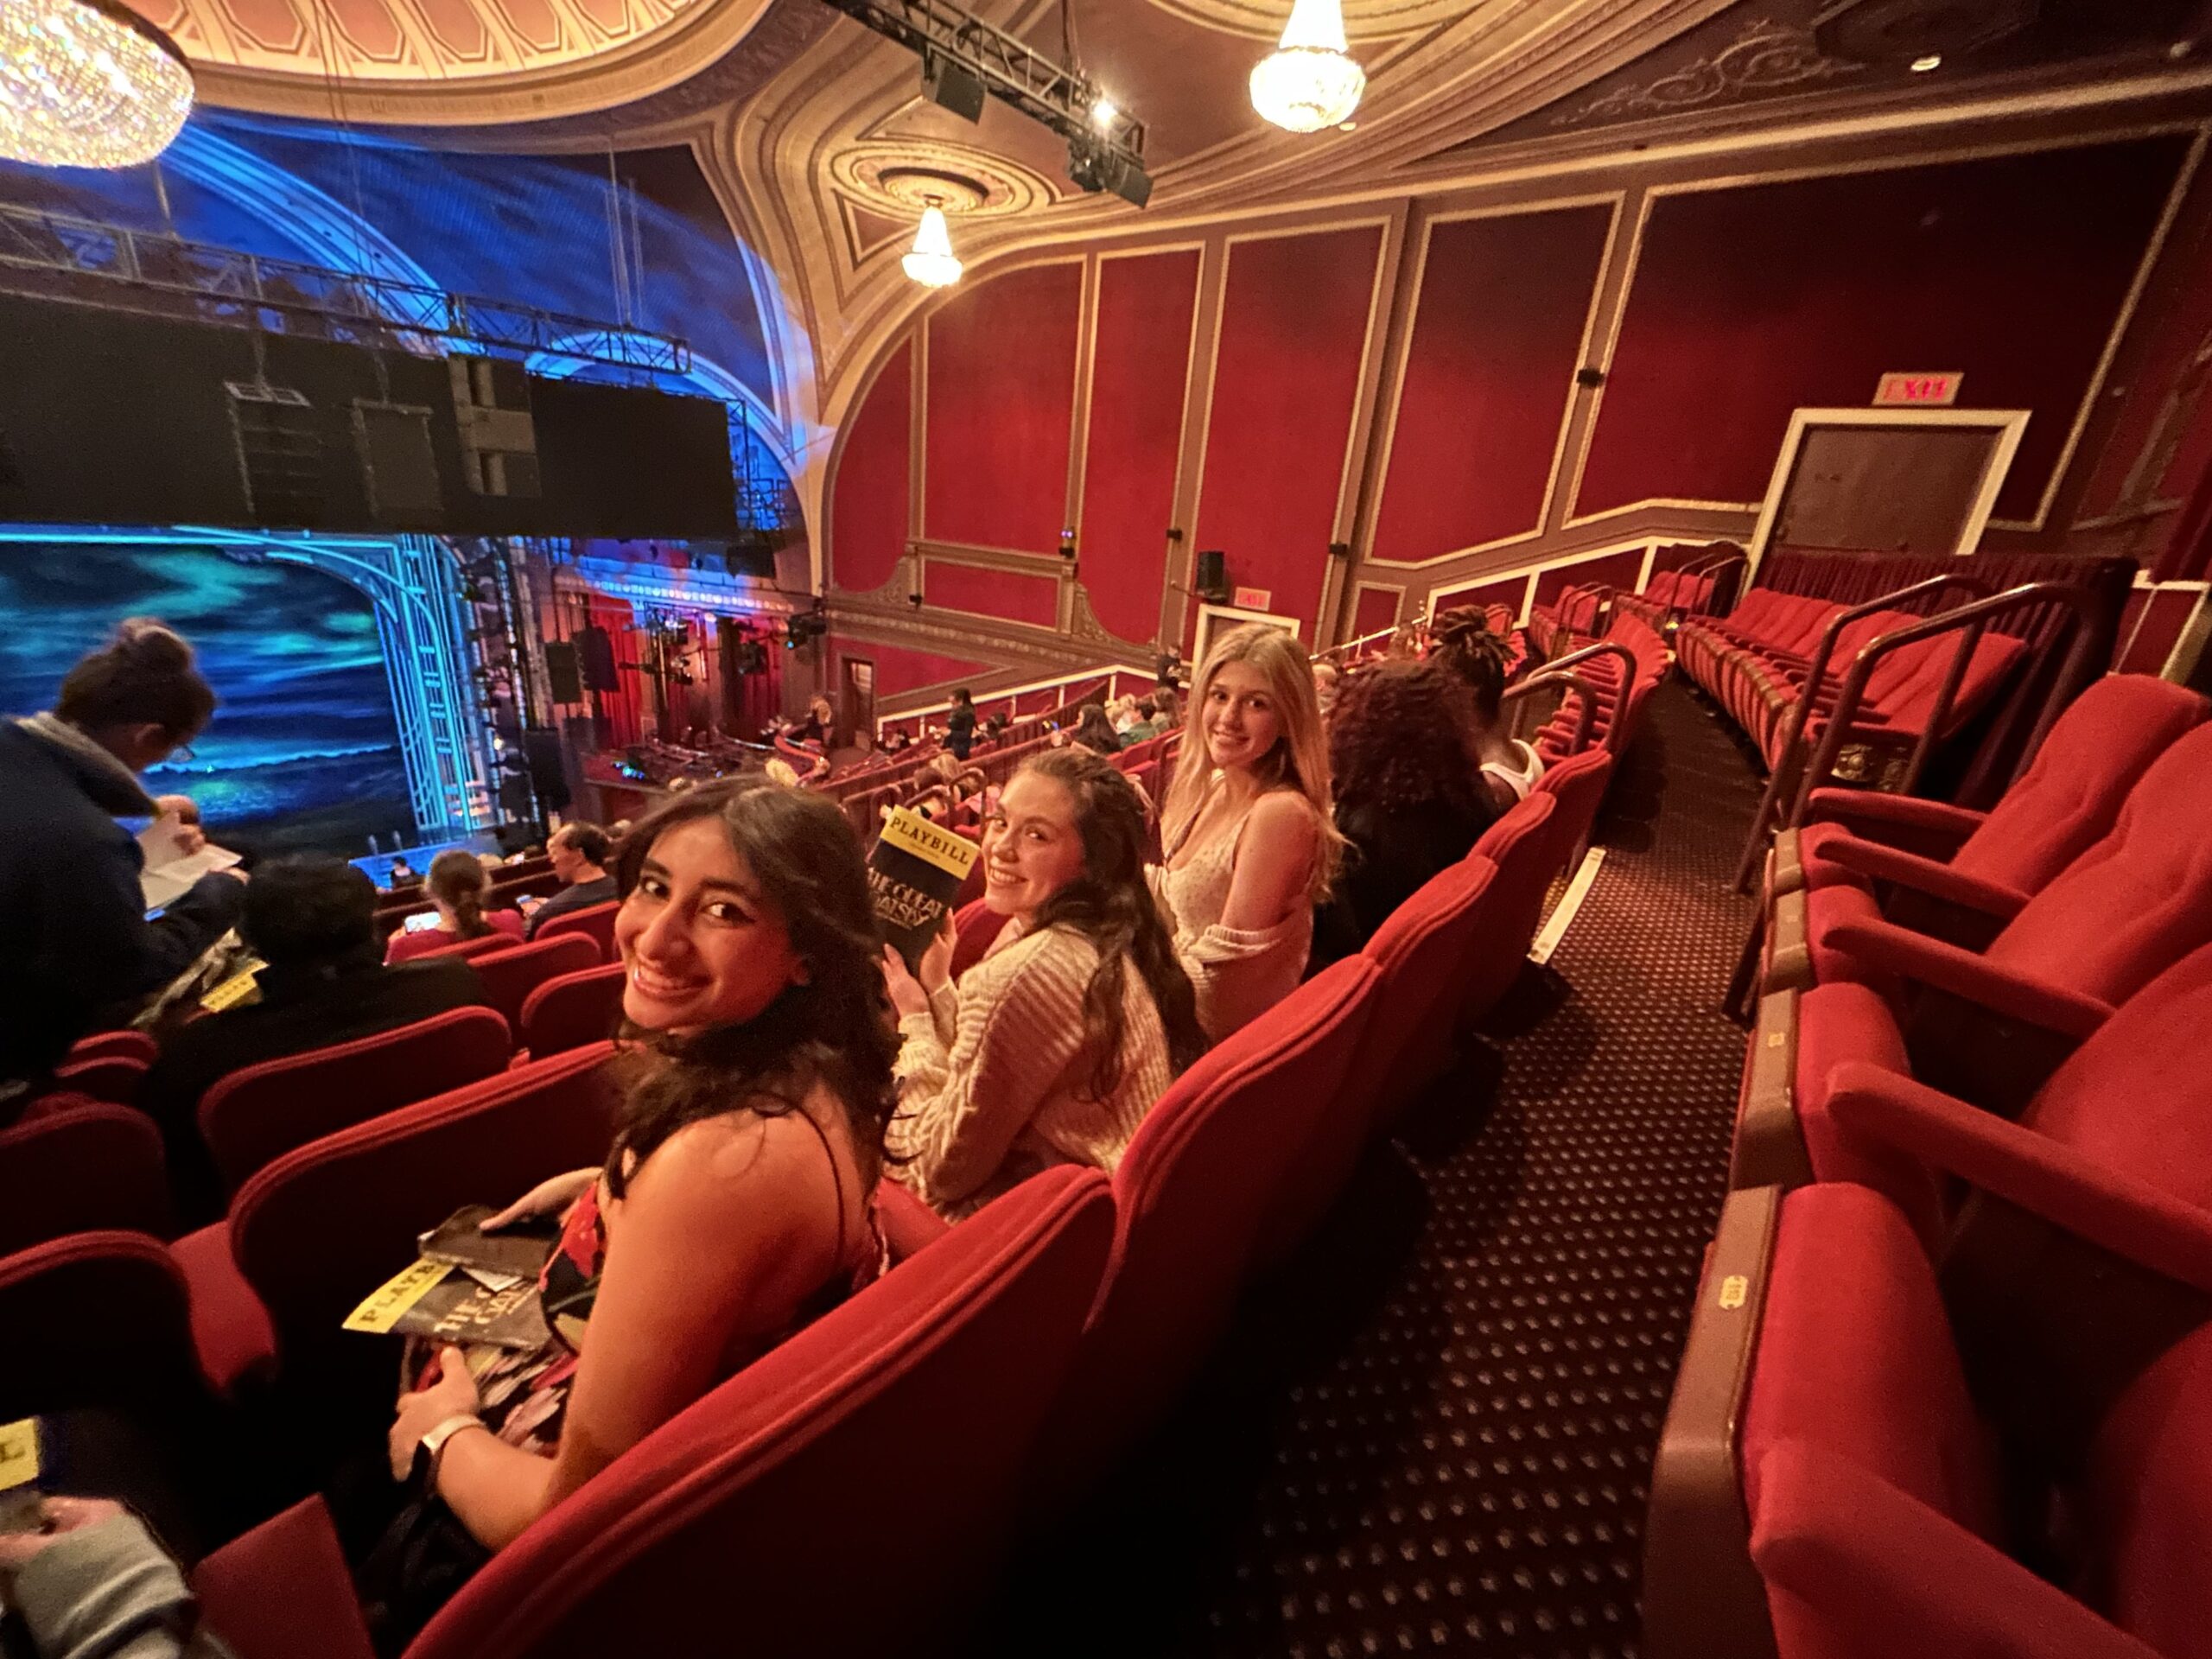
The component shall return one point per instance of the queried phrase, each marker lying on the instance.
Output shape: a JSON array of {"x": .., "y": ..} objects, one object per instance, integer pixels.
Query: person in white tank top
[
  {"x": 1250, "y": 845},
  {"x": 1462, "y": 642}
]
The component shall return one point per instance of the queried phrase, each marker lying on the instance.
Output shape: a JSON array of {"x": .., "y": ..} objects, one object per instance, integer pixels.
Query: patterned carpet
[{"x": 1431, "y": 1433}]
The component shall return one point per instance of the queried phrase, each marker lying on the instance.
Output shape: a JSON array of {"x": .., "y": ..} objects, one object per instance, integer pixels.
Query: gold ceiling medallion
[{"x": 903, "y": 176}]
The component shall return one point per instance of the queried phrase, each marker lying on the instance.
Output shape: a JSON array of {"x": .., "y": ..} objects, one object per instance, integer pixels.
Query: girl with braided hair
[{"x": 1462, "y": 643}]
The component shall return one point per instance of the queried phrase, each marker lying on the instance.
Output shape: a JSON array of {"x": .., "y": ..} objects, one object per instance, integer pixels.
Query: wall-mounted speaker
[
  {"x": 595, "y": 655},
  {"x": 548, "y": 775},
  {"x": 563, "y": 673},
  {"x": 1211, "y": 580}
]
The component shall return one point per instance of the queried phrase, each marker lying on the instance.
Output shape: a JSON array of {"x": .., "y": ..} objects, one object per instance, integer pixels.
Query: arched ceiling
[{"x": 814, "y": 134}]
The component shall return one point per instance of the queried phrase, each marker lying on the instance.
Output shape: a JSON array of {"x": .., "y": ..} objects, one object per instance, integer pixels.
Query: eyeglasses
[{"x": 181, "y": 754}]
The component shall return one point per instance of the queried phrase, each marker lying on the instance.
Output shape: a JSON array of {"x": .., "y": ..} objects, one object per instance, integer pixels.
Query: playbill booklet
[
  {"x": 914, "y": 874},
  {"x": 468, "y": 1286}
]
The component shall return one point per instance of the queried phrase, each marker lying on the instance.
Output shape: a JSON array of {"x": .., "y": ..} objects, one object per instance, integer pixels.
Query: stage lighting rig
[{"x": 963, "y": 58}]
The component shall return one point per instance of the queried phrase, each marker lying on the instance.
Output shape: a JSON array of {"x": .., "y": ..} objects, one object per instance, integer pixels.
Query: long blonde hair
[{"x": 1299, "y": 759}]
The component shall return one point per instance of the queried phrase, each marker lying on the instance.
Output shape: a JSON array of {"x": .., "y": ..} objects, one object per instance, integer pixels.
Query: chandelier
[
  {"x": 87, "y": 83},
  {"x": 932, "y": 263},
  {"x": 1309, "y": 81}
]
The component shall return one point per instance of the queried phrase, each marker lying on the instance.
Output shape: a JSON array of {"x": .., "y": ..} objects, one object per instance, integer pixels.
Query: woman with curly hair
[
  {"x": 1050, "y": 1049},
  {"x": 1410, "y": 800},
  {"x": 735, "y": 1204},
  {"x": 1463, "y": 643}
]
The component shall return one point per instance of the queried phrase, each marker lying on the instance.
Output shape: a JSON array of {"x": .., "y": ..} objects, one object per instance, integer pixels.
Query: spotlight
[
  {"x": 1094, "y": 165},
  {"x": 1933, "y": 61},
  {"x": 1103, "y": 115}
]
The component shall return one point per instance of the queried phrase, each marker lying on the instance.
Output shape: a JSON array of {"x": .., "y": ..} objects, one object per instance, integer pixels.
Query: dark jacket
[
  {"x": 298, "y": 1012},
  {"x": 70, "y": 911},
  {"x": 581, "y": 896},
  {"x": 960, "y": 730},
  {"x": 1391, "y": 857}
]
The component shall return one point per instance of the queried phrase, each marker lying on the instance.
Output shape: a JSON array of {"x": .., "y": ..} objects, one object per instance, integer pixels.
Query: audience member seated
[
  {"x": 960, "y": 723},
  {"x": 71, "y": 907},
  {"x": 1251, "y": 847},
  {"x": 311, "y": 920},
  {"x": 1464, "y": 644},
  {"x": 734, "y": 1207},
  {"x": 1147, "y": 726},
  {"x": 1053, "y": 1047},
  {"x": 1409, "y": 799},
  {"x": 402, "y": 874},
  {"x": 1094, "y": 731},
  {"x": 580, "y": 853},
  {"x": 993, "y": 727},
  {"x": 457, "y": 881}
]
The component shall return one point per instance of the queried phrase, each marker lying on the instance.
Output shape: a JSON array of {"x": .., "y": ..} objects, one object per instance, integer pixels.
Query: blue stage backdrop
[{"x": 304, "y": 752}]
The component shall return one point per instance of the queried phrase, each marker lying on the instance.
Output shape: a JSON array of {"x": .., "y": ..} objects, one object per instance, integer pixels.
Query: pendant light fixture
[
  {"x": 930, "y": 261},
  {"x": 87, "y": 83},
  {"x": 1310, "y": 81}
]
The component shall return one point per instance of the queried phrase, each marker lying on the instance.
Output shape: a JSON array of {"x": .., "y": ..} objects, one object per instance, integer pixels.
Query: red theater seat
[
  {"x": 318, "y": 1228},
  {"x": 112, "y": 1076},
  {"x": 594, "y": 922},
  {"x": 977, "y": 924},
  {"x": 1420, "y": 954},
  {"x": 1825, "y": 1489},
  {"x": 91, "y": 1167},
  {"x": 1522, "y": 847},
  {"x": 96, "y": 1318},
  {"x": 573, "y": 1009},
  {"x": 1986, "y": 866},
  {"x": 112, "y": 1044},
  {"x": 1319, "y": 1170},
  {"x": 468, "y": 949},
  {"x": 512, "y": 975},
  {"x": 265, "y": 1110},
  {"x": 1578, "y": 784},
  {"x": 921, "y": 1394},
  {"x": 1190, "y": 1195}
]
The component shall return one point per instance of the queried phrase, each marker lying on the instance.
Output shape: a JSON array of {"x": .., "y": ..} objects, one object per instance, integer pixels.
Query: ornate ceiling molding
[
  {"x": 446, "y": 63},
  {"x": 1365, "y": 19}
]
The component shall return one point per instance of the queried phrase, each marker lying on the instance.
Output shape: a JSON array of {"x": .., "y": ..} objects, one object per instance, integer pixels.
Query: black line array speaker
[
  {"x": 595, "y": 655},
  {"x": 1211, "y": 580},
  {"x": 563, "y": 673},
  {"x": 542, "y": 748},
  {"x": 279, "y": 451}
]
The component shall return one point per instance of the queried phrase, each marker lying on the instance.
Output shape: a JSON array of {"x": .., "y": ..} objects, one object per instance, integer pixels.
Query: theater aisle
[{"x": 1432, "y": 1434}]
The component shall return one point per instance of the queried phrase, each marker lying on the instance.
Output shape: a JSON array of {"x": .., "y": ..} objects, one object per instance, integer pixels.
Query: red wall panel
[
  {"x": 1503, "y": 305},
  {"x": 1139, "y": 365},
  {"x": 898, "y": 670},
  {"x": 1377, "y": 609},
  {"x": 1751, "y": 301},
  {"x": 2165, "y": 613},
  {"x": 867, "y": 503},
  {"x": 1001, "y": 404},
  {"x": 992, "y": 593},
  {"x": 1285, "y": 375}
]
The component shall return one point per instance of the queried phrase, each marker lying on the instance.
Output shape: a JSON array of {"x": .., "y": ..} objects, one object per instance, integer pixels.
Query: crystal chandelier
[
  {"x": 1310, "y": 81},
  {"x": 932, "y": 263},
  {"x": 87, "y": 83}
]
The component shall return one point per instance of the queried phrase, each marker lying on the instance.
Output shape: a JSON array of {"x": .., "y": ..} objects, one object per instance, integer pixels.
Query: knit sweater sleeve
[{"x": 1017, "y": 1027}]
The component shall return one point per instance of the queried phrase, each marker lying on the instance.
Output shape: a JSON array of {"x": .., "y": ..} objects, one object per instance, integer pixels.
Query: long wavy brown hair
[
  {"x": 1403, "y": 740},
  {"x": 1110, "y": 903},
  {"x": 835, "y": 1031}
]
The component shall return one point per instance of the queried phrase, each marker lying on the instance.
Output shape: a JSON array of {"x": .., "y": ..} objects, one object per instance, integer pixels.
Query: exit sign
[
  {"x": 1254, "y": 599},
  {"x": 1922, "y": 390}
]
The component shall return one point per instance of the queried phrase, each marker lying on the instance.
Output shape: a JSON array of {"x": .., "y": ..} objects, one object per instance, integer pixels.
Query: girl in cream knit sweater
[{"x": 1051, "y": 1048}]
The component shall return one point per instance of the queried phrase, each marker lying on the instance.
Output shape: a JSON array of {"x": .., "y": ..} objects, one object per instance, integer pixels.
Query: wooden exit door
[{"x": 856, "y": 704}]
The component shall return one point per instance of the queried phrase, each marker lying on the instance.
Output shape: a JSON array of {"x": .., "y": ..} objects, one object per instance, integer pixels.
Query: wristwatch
[{"x": 433, "y": 1443}]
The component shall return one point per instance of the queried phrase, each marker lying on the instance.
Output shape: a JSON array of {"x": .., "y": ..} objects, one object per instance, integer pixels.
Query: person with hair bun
[
  {"x": 1251, "y": 847},
  {"x": 456, "y": 884},
  {"x": 79, "y": 944},
  {"x": 1462, "y": 643},
  {"x": 1050, "y": 1049}
]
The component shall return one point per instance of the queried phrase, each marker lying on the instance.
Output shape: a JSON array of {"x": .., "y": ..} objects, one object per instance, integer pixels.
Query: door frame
[{"x": 2007, "y": 423}]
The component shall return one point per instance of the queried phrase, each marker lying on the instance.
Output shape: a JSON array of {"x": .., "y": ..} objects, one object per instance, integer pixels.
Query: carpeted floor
[{"x": 1431, "y": 1433}]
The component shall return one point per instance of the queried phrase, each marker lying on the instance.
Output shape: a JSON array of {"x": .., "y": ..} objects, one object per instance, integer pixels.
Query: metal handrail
[
  {"x": 1973, "y": 618},
  {"x": 1762, "y": 822},
  {"x": 1603, "y": 647},
  {"x": 1588, "y": 710}
]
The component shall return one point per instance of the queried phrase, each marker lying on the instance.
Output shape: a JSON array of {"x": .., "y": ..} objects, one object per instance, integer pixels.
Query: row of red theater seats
[
  {"x": 1669, "y": 595},
  {"x": 1578, "y": 613},
  {"x": 1615, "y": 716},
  {"x": 996, "y": 1370},
  {"x": 554, "y": 994},
  {"x": 1755, "y": 663},
  {"x": 1957, "y": 1318}
]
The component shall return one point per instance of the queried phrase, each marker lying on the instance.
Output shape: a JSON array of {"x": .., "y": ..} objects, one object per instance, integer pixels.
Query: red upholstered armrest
[
  {"x": 1925, "y": 875},
  {"x": 1871, "y": 814},
  {"x": 282, "y": 1591},
  {"x": 909, "y": 1226},
  {"x": 1884, "y": 1573},
  {"x": 1887, "y": 947},
  {"x": 2110, "y": 1210}
]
